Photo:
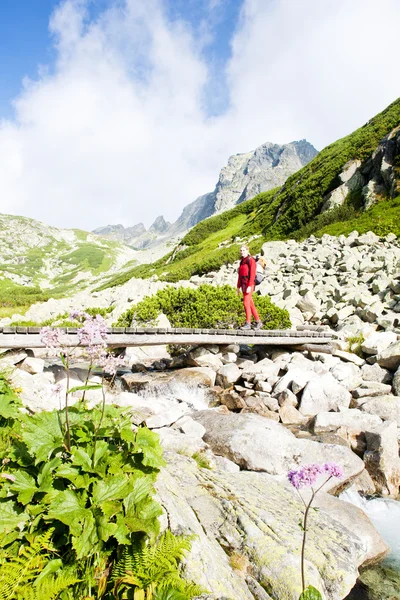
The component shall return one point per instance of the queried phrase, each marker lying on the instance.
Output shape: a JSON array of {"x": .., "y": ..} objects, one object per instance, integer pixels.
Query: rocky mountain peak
[{"x": 160, "y": 225}]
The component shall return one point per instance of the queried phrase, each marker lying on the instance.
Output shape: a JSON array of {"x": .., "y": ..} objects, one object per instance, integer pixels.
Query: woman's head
[{"x": 244, "y": 250}]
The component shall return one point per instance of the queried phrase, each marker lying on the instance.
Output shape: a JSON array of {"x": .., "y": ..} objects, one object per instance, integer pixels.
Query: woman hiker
[{"x": 246, "y": 283}]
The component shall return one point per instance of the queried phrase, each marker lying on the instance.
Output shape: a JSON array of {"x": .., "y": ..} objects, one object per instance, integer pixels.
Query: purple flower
[
  {"x": 334, "y": 470},
  {"x": 77, "y": 315},
  {"x": 56, "y": 389},
  {"x": 50, "y": 337},
  {"x": 109, "y": 363},
  {"x": 93, "y": 333},
  {"x": 306, "y": 476}
]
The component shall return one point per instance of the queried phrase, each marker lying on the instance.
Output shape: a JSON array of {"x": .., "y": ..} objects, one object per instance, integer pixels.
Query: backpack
[{"x": 259, "y": 272}]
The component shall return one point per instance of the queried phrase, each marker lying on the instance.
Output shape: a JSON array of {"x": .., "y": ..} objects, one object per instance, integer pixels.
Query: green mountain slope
[
  {"x": 38, "y": 261},
  {"x": 295, "y": 210}
]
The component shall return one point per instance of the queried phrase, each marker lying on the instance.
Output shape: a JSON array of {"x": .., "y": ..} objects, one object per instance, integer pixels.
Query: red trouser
[{"x": 249, "y": 307}]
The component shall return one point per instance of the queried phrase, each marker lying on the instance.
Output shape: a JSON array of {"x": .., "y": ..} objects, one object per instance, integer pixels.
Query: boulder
[
  {"x": 232, "y": 400},
  {"x": 263, "y": 369},
  {"x": 382, "y": 458},
  {"x": 347, "y": 374},
  {"x": 167, "y": 417},
  {"x": 349, "y": 357},
  {"x": 375, "y": 373},
  {"x": 173, "y": 440},
  {"x": 259, "y": 444},
  {"x": 396, "y": 383},
  {"x": 288, "y": 397},
  {"x": 386, "y": 407},
  {"x": 33, "y": 365},
  {"x": 289, "y": 415},
  {"x": 352, "y": 418},
  {"x": 390, "y": 357},
  {"x": 256, "y": 517},
  {"x": 378, "y": 341},
  {"x": 371, "y": 388},
  {"x": 309, "y": 304},
  {"x": 228, "y": 375},
  {"x": 201, "y": 357},
  {"x": 295, "y": 379},
  {"x": 190, "y": 427},
  {"x": 323, "y": 394}
]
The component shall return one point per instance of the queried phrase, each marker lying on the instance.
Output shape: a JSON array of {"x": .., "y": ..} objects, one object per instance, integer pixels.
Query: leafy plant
[
  {"x": 206, "y": 306},
  {"x": 94, "y": 498},
  {"x": 354, "y": 343},
  {"x": 153, "y": 571},
  {"x": 32, "y": 574}
]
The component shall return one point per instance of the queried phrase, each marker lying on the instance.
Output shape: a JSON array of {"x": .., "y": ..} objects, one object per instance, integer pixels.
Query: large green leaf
[
  {"x": 142, "y": 487},
  {"x": 74, "y": 475},
  {"x": 10, "y": 518},
  {"x": 148, "y": 443},
  {"x": 42, "y": 435},
  {"x": 45, "y": 476},
  {"x": 101, "y": 450},
  {"x": 115, "y": 488},
  {"x": 8, "y": 409},
  {"x": 25, "y": 485},
  {"x": 86, "y": 542},
  {"x": 69, "y": 508},
  {"x": 105, "y": 528},
  {"x": 122, "y": 532},
  {"x": 82, "y": 459},
  {"x": 310, "y": 593}
]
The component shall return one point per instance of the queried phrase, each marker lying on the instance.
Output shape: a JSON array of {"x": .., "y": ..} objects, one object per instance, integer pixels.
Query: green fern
[
  {"x": 154, "y": 570},
  {"x": 29, "y": 575}
]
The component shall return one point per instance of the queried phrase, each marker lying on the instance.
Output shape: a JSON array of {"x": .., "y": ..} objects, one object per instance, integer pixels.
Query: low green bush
[{"x": 206, "y": 306}]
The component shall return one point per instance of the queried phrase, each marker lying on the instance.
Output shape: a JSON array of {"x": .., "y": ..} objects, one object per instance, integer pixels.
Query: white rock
[
  {"x": 33, "y": 365},
  {"x": 323, "y": 394},
  {"x": 187, "y": 425},
  {"x": 353, "y": 418},
  {"x": 228, "y": 375},
  {"x": 168, "y": 417},
  {"x": 347, "y": 374}
]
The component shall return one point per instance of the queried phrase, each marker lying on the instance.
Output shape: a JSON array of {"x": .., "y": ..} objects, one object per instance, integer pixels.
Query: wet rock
[{"x": 382, "y": 458}]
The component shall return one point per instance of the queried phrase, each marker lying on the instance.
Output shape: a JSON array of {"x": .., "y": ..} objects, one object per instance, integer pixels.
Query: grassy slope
[{"x": 292, "y": 211}]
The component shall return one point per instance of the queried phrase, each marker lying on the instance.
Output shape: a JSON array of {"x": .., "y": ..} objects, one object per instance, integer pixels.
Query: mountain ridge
[{"x": 244, "y": 176}]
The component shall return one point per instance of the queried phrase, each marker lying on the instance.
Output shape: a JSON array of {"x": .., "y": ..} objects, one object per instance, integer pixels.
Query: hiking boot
[
  {"x": 246, "y": 326},
  {"x": 258, "y": 325}
]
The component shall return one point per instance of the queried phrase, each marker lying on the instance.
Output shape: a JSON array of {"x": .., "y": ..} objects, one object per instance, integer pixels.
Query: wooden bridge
[{"x": 308, "y": 337}]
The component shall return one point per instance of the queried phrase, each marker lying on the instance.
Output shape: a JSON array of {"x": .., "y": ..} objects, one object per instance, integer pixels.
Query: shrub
[{"x": 204, "y": 307}]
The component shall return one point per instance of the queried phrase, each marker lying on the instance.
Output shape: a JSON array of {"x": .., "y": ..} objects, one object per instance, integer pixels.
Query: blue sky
[
  {"x": 26, "y": 44},
  {"x": 130, "y": 108}
]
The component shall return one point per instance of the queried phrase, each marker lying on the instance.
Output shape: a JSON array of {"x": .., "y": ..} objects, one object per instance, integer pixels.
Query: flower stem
[
  {"x": 103, "y": 405},
  {"x": 67, "y": 427},
  {"x": 303, "y": 546}
]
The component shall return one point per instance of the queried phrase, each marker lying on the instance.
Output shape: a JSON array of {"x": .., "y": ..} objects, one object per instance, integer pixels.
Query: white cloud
[{"x": 117, "y": 130}]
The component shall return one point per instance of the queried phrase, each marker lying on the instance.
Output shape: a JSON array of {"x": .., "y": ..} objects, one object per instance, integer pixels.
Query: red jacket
[{"x": 247, "y": 273}]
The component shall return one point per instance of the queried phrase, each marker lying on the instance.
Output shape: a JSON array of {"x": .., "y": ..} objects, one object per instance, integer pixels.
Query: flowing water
[{"x": 385, "y": 516}]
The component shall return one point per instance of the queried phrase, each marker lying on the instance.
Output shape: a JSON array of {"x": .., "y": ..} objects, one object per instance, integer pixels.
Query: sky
[{"x": 117, "y": 111}]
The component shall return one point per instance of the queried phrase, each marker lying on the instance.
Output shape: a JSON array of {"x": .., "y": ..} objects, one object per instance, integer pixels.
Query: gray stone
[
  {"x": 382, "y": 458},
  {"x": 390, "y": 357},
  {"x": 288, "y": 397},
  {"x": 232, "y": 400},
  {"x": 379, "y": 341},
  {"x": 295, "y": 379},
  {"x": 323, "y": 394},
  {"x": 228, "y": 375},
  {"x": 255, "y": 516},
  {"x": 228, "y": 357},
  {"x": 353, "y": 418},
  {"x": 263, "y": 369},
  {"x": 347, "y": 374},
  {"x": 187, "y": 425},
  {"x": 201, "y": 357},
  {"x": 173, "y": 440},
  {"x": 349, "y": 357},
  {"x": 289, "y": 415},
  {"x": 259, "y": 444},
  {"x": 33, "y": 365},
  {"x": 224, "y": 464},
  {"x": 386, "y": 407},
  {"x": 396, "y": 383},
  {"x": 371, "y": 388},
  {"x": 375, "y": 373},
  {"x": 168, "y": 417}
]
